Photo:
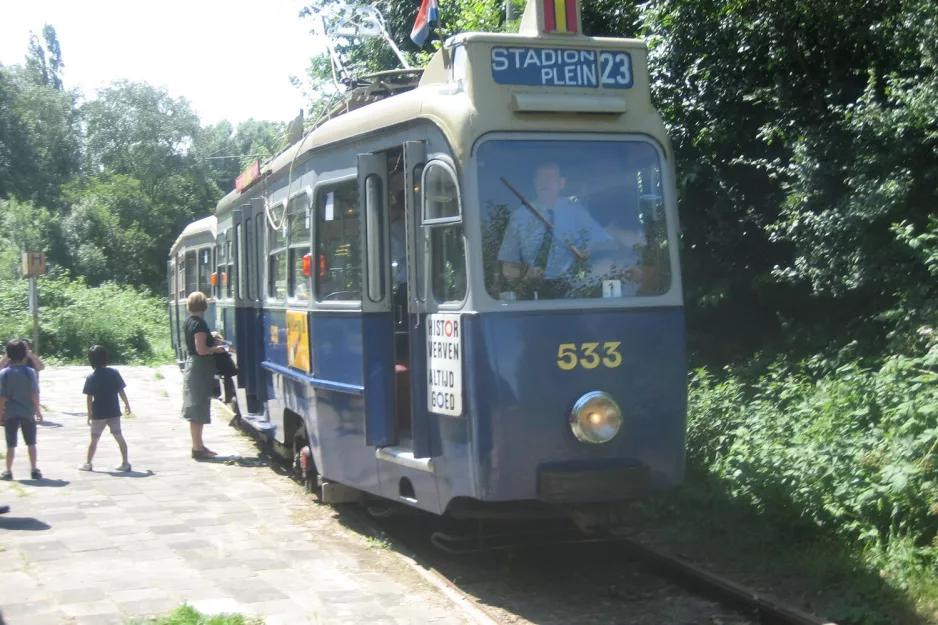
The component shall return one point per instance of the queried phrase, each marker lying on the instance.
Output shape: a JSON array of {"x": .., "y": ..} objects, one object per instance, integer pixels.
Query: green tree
[{"x": 226, "y": 151}]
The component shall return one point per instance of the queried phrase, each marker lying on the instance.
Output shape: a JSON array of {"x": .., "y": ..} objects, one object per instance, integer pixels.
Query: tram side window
[
  {"x": 441, "y": 211},
  {"x": 299, "y": 230},
  {"x": 220, "y": 252},
  {"x": 239, "y": 241},
  {"x": 277, "y": 263},
  {"x": 192, "y": 276},
  {"x": 251, "y": 260},
  {"x": 338, "y": 243},
  {"x": 181, "y": 277},
  {"x": 228, "y": 279},
  {"x": 418, "y": 203},
  {"x": 205, "y": 271}
]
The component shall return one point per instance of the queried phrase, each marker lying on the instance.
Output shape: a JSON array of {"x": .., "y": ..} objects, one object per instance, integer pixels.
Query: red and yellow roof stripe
[{"x": 560, "y": 16}]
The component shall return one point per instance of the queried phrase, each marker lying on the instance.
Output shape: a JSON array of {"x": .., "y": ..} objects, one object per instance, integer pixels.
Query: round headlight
[{"x": 595, "y": 418}]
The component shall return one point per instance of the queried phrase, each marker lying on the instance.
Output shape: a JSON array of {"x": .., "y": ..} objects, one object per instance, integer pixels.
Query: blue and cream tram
[
  {"x": 466, "y": 294},
  {"x": 190, "y": 268}
]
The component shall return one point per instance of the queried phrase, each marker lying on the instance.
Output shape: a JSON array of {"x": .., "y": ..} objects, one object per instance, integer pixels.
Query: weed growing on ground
[
  {"x": 187, "y": 615},
  {"x": 377, "y": 543},
  {"x": 17, "y": 488},
  {"x": 158, "y": 375}
]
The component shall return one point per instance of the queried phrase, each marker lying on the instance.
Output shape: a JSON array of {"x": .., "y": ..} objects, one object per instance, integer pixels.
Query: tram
[
  {"x": 190, "y": 268},
  {"x": 461, "y": 291}
]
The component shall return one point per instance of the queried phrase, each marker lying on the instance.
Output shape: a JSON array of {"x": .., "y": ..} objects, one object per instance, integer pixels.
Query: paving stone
[
  {"x": 89, "y": 608},
  {"x": 251, "y": 589},
  {"x": 224, "y": 538}
]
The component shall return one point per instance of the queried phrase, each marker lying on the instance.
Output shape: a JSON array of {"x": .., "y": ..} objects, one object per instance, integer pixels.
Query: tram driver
[{"x": 528, "y": 244}]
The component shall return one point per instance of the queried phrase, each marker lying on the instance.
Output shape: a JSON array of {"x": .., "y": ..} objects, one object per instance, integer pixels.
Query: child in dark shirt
[{"x": 103, "y": 386}]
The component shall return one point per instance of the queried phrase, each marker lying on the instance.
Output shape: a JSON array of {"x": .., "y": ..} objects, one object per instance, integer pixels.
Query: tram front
[{"x": 575, "y": 373}]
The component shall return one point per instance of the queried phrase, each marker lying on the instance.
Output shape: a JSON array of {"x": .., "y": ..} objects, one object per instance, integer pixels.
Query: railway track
[{"x": 549, "y": 574}]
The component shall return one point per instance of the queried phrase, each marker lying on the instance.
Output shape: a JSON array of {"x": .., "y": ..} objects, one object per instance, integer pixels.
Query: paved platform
[{"x": 105, "y": 547}]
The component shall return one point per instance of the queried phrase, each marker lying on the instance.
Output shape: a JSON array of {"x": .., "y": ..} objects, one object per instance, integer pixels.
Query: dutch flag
[{"x": 429, "y": 12}]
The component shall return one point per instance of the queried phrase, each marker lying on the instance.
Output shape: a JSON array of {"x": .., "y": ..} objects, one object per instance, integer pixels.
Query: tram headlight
[{"x": 595, "y": 418}]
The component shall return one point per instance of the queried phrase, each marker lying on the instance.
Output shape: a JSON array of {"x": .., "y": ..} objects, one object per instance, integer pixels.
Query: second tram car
[{"x": 464, "y": 294}]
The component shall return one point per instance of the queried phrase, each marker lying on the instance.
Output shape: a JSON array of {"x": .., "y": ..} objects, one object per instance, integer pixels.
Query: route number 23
[{"x": 568, "y": 357}]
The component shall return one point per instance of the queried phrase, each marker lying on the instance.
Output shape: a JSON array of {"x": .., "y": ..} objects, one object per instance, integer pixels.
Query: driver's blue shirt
[{"x": 571, "y": 221}]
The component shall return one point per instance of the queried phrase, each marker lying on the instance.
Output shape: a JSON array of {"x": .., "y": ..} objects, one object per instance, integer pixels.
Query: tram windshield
[{"x": 572, "y": 220}]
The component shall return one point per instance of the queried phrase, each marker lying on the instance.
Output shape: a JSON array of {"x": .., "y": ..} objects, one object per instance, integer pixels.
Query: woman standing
[{"x": 199, "y": 374}]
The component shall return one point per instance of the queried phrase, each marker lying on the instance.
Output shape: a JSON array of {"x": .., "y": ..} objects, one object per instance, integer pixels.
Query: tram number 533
[{"x": 589, "y": 355}]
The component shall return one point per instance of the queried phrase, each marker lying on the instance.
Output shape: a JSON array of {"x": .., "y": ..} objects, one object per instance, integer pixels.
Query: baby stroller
[{"x": 226, "y": 369}]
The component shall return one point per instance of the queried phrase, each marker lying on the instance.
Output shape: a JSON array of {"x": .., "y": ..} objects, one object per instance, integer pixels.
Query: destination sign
[{"x": 562, "y": 67}]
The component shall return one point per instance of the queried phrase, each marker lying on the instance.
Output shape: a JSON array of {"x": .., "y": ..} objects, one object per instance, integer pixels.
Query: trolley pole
[{"x": 34, "y": 265}]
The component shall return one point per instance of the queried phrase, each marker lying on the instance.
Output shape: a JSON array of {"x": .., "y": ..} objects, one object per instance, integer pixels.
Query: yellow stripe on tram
[{"x": 560, "y": 15}]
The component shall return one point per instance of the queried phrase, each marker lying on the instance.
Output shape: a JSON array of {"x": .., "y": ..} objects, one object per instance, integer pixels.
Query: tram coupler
[{"x": 600, "y": 518}]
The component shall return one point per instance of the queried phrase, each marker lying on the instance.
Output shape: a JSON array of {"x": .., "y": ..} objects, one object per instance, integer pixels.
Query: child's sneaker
[
  {"x": 123, "y": 467},
  {"x": 36, "y": 474},
  {"x": 85, "y": 467},
  {"x": 6, "y": 475}
]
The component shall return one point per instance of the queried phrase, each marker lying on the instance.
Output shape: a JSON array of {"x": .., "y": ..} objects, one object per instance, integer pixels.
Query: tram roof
[
  {"x": 429, "y": 101},
  {"x": 205, "y": 225}
]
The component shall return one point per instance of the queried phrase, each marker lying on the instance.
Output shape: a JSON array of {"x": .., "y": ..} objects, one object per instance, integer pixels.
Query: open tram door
[
  {"x": 250, "y": 228},
  {"x": 392, "y": 300}
]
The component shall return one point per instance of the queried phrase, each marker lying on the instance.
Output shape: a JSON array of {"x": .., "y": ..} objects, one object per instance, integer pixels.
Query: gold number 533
[{"x": 569, "y": 356}]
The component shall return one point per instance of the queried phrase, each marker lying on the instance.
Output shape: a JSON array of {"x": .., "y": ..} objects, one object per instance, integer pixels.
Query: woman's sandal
[{"x": 202, "y": 454}]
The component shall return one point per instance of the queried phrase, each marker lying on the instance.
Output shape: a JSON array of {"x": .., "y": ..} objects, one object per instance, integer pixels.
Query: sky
[{"x": 231, "y": 59}]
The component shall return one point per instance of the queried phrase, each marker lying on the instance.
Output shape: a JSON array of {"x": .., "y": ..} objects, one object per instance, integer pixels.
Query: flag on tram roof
[{"x": 429, "y": 12}]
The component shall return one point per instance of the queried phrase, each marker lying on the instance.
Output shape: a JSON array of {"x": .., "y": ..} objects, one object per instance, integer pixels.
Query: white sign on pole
[{"x": 444, "y": 364}]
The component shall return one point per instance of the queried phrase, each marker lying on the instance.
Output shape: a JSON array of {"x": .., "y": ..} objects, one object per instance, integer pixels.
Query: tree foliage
[{"x": 105, "y": 186}]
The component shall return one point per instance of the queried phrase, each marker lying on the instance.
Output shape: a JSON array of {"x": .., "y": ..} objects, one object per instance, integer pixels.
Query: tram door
[
  {"x": 250, "y": 285},
  {"x": 392, "y": 292}
]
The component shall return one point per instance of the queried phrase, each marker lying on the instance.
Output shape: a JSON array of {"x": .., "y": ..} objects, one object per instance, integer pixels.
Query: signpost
[{"x": 34, "y": 265}]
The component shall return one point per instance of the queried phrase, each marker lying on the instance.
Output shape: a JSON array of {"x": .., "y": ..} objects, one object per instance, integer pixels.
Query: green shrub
[
  {"x": 132, "y": 324},
  {"x": 852, "y": 451}
]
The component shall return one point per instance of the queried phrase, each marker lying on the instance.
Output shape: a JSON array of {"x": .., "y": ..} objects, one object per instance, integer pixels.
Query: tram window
[
  {"x": 192, "y": 273},
  {"x": 228, "y": 281},
  {"x": 239, "y": 246},
  {"x": 418, "y": 204},
  {"x": 205, "y": 271},
  {"x": 338, "y": 243},
  {"x": 447, "y": 244},
  {"x": 251, "y": 259},
  {"x": 606, "y": 204},
  {"x": 181, "y": 277},
  {"x": 448, "y": 265},
  {"x": 277, "y": 263},
  {"x": 220, "y": 251},
  {"x": 374, "y": 233},
  {"x": 440, "y": 195},
  {"x": 256, "y": 277},
  {"x": 299, "y": 231}
]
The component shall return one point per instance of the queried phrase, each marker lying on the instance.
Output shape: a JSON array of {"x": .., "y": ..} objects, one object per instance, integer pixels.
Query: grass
[
  {"x": 17, "y": 488},
  {"x": 187, "y": 615},
  {"x": 158, "y": 375},
  {"x": 377, "y": 543}
]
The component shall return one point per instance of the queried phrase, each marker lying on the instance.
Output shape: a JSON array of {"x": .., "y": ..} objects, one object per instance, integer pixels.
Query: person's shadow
[
  {"x": 45, "y": 483},
  {"x": 130, "y": 474},
  {"x": 23, "y": 524}
]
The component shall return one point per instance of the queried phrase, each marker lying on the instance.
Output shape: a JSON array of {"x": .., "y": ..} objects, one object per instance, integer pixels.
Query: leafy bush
[
  {"x": 133, "y": 325},
  {"x": 850, "y": 450}
]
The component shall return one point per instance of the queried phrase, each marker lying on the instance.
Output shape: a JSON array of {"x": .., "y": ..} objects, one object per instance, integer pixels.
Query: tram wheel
[{"x": 304, "y": 466}]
